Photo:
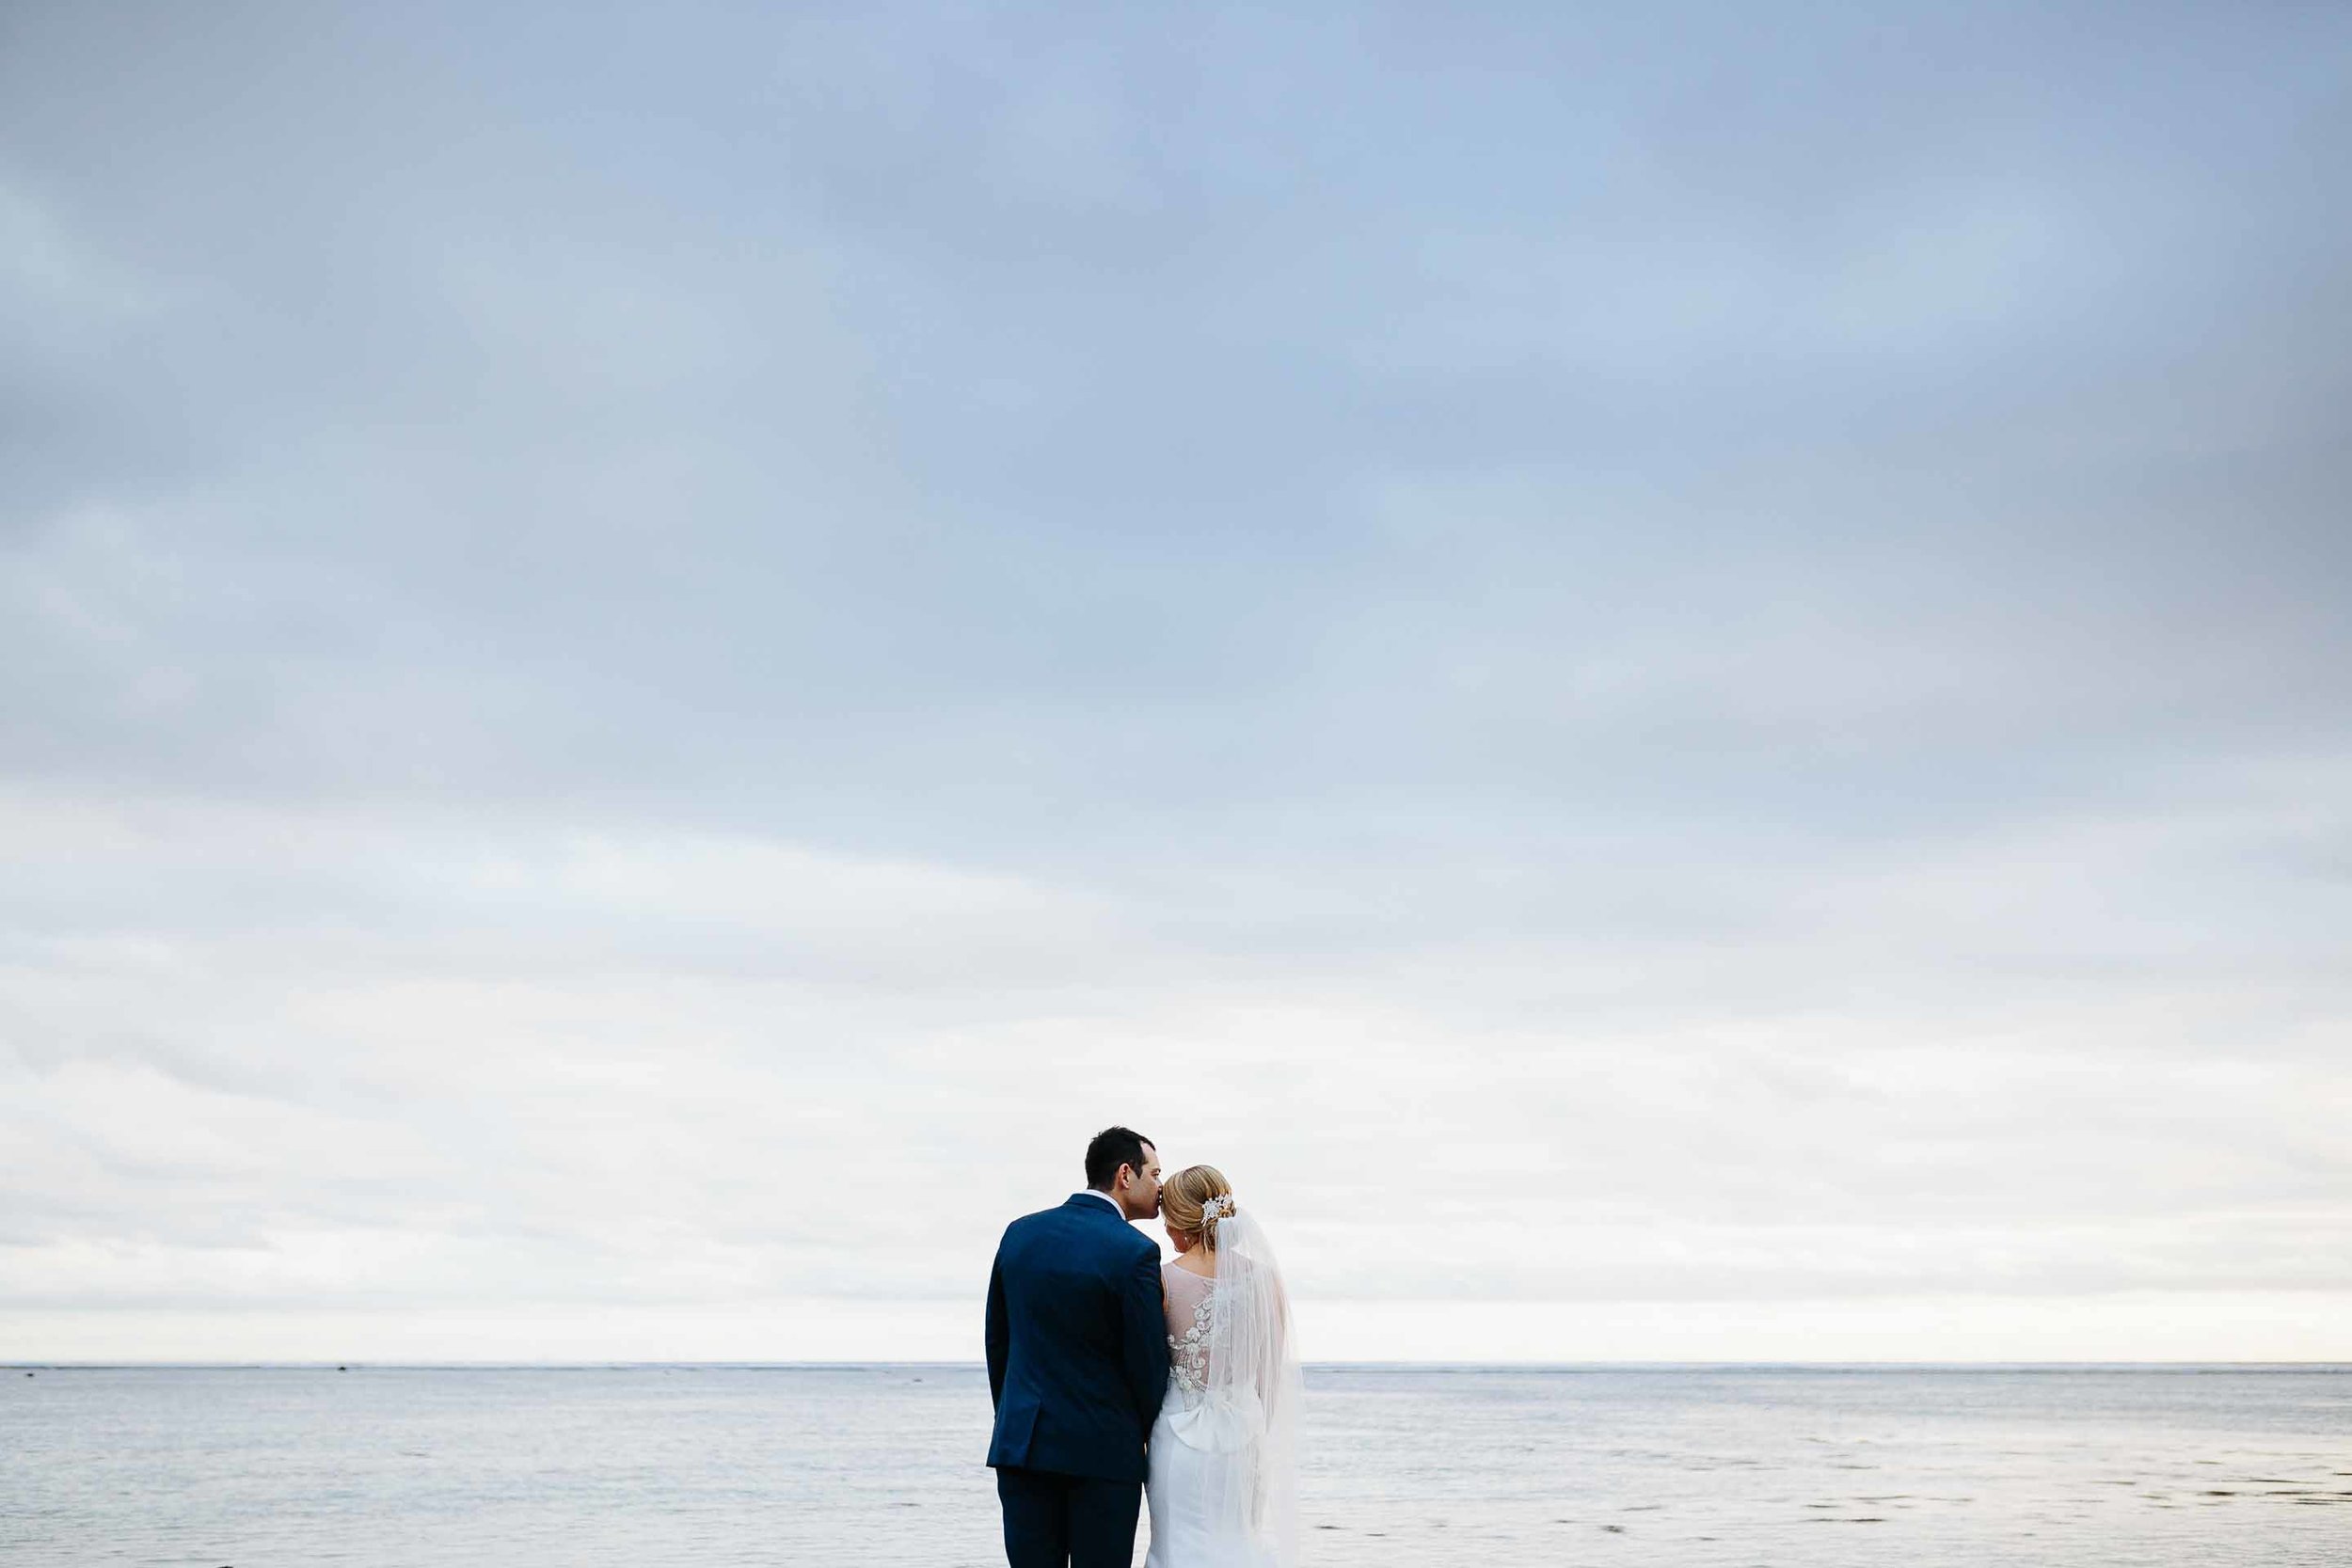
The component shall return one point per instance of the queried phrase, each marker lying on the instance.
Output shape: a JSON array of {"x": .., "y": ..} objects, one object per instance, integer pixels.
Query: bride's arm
[{"x": 1279, "y": 1347}]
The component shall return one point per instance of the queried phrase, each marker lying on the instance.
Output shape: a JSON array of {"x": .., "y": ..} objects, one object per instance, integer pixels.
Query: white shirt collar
[{"x": 1106, "y": 1198}]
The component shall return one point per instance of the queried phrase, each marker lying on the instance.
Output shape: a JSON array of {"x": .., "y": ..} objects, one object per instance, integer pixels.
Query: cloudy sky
[{"x": 1676, "y": 675}]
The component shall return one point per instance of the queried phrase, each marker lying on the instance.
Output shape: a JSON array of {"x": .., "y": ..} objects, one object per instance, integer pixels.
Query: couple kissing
[{"x": 1111, "y": 1372}]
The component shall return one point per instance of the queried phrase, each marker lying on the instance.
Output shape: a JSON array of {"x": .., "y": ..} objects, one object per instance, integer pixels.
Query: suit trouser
[{"x": 1057, "y": 1520}]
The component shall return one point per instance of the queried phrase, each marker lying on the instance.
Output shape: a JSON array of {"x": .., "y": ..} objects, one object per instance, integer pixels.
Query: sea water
[{"x": 651, "y": 1466}]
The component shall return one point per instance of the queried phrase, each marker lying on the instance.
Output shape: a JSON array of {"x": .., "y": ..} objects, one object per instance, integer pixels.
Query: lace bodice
[{"x": 1188, "y": 1319}]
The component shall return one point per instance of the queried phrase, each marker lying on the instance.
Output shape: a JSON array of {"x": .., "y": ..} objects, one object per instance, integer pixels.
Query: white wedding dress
[{"x": 1224, "y": 1458}]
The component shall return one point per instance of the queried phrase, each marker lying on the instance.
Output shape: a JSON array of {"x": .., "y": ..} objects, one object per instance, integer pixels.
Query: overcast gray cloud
[{"x": 1678, "y": 679}]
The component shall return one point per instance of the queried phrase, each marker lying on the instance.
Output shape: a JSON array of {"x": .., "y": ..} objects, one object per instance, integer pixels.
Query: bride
[{"x": 1224, "y": 1452}]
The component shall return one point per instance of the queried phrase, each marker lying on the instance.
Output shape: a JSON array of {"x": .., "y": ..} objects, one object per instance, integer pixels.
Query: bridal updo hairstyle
[{"x": 1184, "y": 1195}]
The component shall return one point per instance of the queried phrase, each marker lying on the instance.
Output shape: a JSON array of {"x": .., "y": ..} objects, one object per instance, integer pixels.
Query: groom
[{"x": 1077, "y": 1363}]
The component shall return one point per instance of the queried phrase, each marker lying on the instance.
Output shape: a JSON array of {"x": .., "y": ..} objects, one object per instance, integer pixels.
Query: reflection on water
[{"x": 660, "y": 1465}]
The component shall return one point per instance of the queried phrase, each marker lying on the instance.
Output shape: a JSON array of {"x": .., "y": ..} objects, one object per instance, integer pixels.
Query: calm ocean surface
[{"x": 659, "y": 1465}]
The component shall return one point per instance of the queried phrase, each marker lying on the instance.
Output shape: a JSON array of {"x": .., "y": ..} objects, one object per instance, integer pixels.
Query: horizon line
[{"x": 1398, "y": 1366}]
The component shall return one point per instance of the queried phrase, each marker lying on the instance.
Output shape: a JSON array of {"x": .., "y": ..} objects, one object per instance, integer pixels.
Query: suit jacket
[{"x": 1077, "y": 1343}]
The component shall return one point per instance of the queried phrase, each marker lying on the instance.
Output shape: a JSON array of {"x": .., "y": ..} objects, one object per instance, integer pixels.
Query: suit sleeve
[
  {"x": 1144, "y": 1336},
  {"x": 999, "y": 1332}
]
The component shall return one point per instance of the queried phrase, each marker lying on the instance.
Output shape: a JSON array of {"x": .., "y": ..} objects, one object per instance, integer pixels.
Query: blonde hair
[{"x": 1183, "y": 1195}]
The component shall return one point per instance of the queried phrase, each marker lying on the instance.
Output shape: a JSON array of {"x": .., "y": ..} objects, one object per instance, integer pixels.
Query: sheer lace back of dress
[{"x": 1190, "y": 1323}]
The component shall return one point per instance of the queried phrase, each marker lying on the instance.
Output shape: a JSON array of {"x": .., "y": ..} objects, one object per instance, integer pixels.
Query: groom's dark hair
[{"x": 1112, "y": 1148}]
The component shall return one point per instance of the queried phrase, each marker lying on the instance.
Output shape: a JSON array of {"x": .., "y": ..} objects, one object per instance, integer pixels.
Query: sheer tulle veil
[{"x": 1253, "y": 1370}]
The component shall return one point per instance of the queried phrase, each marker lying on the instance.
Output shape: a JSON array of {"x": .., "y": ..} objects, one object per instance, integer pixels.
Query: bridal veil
[{"x": 1243, "y": 1421}]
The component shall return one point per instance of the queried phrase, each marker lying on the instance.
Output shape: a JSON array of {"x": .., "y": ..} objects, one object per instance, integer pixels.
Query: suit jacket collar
[{"x": 1102, "y": 1203}]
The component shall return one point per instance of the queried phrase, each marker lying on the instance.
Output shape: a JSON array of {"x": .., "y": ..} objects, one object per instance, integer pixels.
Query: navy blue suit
[{"x": 1077, "y": 1365}]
